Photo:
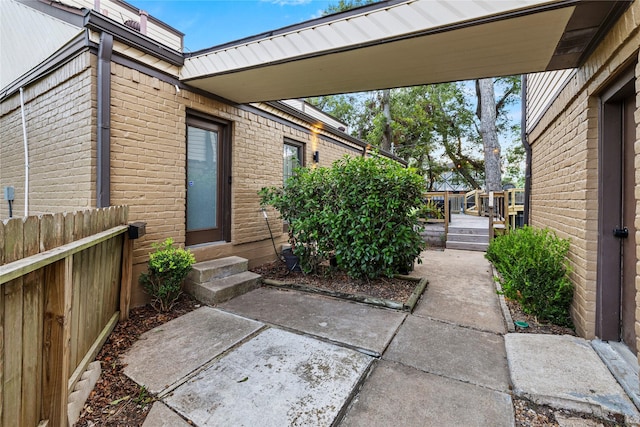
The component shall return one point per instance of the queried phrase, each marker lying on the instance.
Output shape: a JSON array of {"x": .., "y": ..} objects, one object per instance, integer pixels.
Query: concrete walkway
[{"x": 285, "y": 358}]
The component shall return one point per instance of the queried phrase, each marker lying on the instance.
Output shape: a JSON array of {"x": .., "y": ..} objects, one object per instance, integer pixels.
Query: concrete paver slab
[
  {"x": 398, "y": 395},
  {"x": 166, "y": 354},
  {"x": 564, "y": 371},
  {"x": 452, "y": 351},
  {"x": 461, "y": 290},
  {"x": 161, "y": 416},
  {"x": 357, "y": 325},
  {"x": 277, "y": 378}
]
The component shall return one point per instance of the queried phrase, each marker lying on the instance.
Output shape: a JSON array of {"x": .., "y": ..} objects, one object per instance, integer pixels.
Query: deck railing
[
  {"x": 472, "y": 202},
  {"x": 438, "y": 203},
  {"x": 60, "y": 278},
  {"x": 508, "y": 206}
]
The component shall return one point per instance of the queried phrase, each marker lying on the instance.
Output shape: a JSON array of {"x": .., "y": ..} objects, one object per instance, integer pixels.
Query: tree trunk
[
  {"x": 386, "y": 111},
  {"x": 489, "y": 132}
]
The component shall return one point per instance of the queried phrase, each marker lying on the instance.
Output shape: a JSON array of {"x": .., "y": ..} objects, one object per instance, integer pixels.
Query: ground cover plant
[
  {"x": 361, "y": 212},
  {"x": 535, "y": 272}
]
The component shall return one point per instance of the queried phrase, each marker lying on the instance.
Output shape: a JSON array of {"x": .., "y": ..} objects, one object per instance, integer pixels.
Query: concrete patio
[{"x": 276, "y": 358}]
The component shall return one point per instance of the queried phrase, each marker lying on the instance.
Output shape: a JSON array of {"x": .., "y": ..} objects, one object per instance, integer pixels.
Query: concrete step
[
  {"x": 223, "y": 288},
  {"x": 467, "y": 246},
  {"x": 473, "y": 238},
  {"x": 206, "y": 271}
]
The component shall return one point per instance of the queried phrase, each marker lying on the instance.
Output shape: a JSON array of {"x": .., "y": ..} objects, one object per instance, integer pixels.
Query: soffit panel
[
  {"x": 506, "y": 47},
  {"x": 395, "y": 20}
]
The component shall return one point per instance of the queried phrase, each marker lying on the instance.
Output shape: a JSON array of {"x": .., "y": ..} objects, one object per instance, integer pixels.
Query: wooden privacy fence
[{"x": 61, "y": 278}]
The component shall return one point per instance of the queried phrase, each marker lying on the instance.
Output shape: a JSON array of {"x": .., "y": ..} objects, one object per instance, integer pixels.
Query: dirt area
[
  {"x": 334, "y": 281},
  {"x": 118, "y": 401},
  {"x": 534, "y": 325}
]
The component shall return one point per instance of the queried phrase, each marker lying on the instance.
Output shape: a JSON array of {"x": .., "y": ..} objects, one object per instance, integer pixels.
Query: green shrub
[
  {"x": 167, "y": 268},
  {"x": 361, "y": 210},
  {"x": 375, "y": 228},
  {"x": 303, "y": 204},
  {"x": 535, "y": 272}
]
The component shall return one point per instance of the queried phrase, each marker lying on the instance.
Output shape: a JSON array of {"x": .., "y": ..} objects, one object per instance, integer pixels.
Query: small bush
[
  {"x": 373, "y": 222},
  {"x": 535, "y": 272},
  {"x": 167, "y": 268},
  {"x": 361, "y": 210}
]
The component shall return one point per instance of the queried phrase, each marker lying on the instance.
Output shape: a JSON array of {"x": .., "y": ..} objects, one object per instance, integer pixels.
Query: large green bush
[
  {"x": 535, "y": 272},
  {"x": 361, "y": 210},
  {"x": 167, "y": 268}
]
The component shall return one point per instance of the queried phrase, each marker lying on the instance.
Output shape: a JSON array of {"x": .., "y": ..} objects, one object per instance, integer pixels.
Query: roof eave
[{"x": 97, "y": 22}]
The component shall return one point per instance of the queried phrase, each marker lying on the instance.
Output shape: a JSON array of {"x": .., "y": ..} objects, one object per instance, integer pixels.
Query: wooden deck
[{"x": 469, "y": 221}]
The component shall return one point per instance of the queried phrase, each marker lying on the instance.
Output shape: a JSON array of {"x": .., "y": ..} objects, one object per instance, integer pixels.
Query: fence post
[
  {"x": 127, "y": 276},
  {"x": 447, "y": 212},
  {"x": 57, "y": 341},
  {"x": 490, "y": 216}
]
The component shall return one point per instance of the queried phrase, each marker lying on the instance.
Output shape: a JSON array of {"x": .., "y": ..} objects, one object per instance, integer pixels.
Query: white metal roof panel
[
  {"x": 21, "y": 50},
  {"x": 392, "y": 46},
  {"x": 396, "y": 20}
]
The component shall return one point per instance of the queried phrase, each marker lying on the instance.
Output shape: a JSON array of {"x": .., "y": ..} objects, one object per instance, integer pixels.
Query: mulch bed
[
  {"x": 116, "y": 400},
  {"x": 535, "y": 326},
  {"x": 337, "y": 282}
]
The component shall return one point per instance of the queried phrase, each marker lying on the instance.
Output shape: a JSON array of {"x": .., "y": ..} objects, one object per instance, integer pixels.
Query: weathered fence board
[
  {"x": 2, "y": 362},
  {"x": 57, "y": 340},
  {"x": 33, "y": 303},
  {"x": 13, "y": 355},
  {"x": 33, "y": 308},
  {"x": 60, "y": 278}
]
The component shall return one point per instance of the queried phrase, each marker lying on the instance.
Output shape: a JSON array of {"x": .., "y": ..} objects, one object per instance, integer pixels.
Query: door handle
[{"x": 623, "y": 233}]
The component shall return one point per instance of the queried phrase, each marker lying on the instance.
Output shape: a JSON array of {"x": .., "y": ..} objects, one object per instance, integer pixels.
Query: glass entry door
[{"x": 204, "y": 178}]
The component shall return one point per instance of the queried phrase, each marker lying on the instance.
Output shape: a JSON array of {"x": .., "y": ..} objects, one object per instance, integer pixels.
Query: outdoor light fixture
[{"x": 316, "y": 156}]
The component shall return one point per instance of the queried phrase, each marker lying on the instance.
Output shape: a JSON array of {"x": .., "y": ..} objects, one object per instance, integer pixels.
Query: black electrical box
[{"x": 137, "y": 230}]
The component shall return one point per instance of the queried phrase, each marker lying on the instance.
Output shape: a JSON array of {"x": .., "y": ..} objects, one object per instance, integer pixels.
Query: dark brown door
[
  {"x": 204, "y": 182},
  {"x": 616, "y": 291}
]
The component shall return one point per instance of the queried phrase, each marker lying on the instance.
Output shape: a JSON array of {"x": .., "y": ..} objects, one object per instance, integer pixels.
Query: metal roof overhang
[{"x": 403, "y": 43}]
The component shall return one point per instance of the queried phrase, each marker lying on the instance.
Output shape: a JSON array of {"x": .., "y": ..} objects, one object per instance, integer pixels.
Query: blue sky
[{"x": 207, "y": 23}]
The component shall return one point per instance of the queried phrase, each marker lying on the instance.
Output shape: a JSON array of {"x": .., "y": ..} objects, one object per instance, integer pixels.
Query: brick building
[
  {"x": 582, "y": 126},
  {"x": 108, "y": 122},
  {"x": 119, "y": 115}
]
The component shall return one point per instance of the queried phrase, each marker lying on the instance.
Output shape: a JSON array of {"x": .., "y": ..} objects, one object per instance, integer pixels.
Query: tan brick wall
[
  {"x": 148, "y": 164},
  {"x": 564, "y": 193},
  {"x": 60, "y": 134},
  {"x": 148, "y": 154}
]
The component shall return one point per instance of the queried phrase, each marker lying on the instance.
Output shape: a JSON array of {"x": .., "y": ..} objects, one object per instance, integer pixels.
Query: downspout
[
  {"x": 26, "y": 154},
  {"x": 103, "y": 177},
  {"x": 527, "y": 149}
]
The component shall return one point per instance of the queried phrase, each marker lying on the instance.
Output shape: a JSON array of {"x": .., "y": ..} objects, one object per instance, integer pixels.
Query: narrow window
[{"x": 293, "y": 156}]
